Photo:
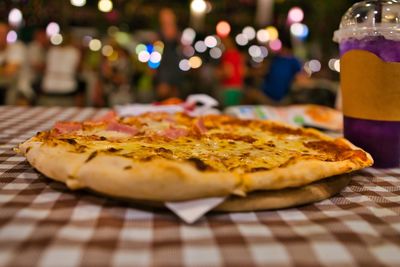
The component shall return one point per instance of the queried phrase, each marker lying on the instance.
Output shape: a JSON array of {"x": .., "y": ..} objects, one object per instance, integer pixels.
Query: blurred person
[
  {"x": 34, "y": 66},
  {"x": 117, "y": 72},
  {"x": 11, "y": 60},
  {"x": 283, "y": 70},
  {"x": 60, "y": 83},
  {"x": 232, "y": 73},
  {"x": 169, "y": 76}
]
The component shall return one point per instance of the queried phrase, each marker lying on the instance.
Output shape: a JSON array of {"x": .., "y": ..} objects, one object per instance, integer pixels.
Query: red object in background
[
  {"x": 170, "y": 101},
  {"x": 232, "y": 63}
]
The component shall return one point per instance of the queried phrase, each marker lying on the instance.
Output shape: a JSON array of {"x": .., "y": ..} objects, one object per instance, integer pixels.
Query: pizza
[{"x": 176, "y": 157}]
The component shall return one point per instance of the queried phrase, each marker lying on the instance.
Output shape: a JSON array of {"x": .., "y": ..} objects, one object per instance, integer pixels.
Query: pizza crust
[
  {"x": 167, "y": 180},
  {"x": 298, "y": 174},
  {"x": 54, "y": 162},
  {"x": 274, "y": 199},
  {"x": 159, "y": 180}
]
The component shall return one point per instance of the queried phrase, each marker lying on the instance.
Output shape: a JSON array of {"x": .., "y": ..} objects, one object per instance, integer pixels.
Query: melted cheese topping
[{"x": 228, "y": 144}]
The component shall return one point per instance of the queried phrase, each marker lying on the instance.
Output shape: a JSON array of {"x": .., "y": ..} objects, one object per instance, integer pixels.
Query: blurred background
[{"x": 109, "y": 52}]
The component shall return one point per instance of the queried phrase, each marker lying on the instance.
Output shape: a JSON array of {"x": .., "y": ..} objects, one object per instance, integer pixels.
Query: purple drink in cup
[{"x": 373, "y": 26}]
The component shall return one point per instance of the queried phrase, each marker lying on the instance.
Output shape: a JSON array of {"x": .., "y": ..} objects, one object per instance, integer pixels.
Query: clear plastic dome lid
[{"x": 370, "y": 18}]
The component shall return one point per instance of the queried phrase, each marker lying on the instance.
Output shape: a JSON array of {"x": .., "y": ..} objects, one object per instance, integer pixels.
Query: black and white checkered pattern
[{"x": 42, "y": 223}]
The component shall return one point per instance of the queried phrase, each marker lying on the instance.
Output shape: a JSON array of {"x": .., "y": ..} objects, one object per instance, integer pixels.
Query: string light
[
  {"x": 211, "y": 41},
  {"x": 107, "y": 50},
  {"x": 275, "y": 45},
  {"x": 184, "y": 65},
  {"x": 188, "y": 36},
  {"x": 188, "y": 51},
  {"x": 249, "y": 32},
  {"x": 15, "y": 17},
  {"x": 139, "y": 48},
  {"x": 241, "y": 39},
  {"x": 295, "y": 14},
  {"x": 314, "y": 65},
  {"x": 223, "y": 29},
  {"x": 299, "y": 30},
  {"x": 255, "y": 51},
  {"x": 56, "y": 39},
  {"x": 144, "y": 56},
  {"x": 78, "y": 3},
  {"x": 95, "y": 45},
  {"x": 263, "y": 36},
  {"x": 12, "y": 37},
  {"x": 198, "y": 6},
  {"x": 273, "y": 33},
  {"x": 195, "y": 62},
  {"x": 105, "y": 5},
  {"x": 215, "y": 52},
  {"x": 155, "y": 57},
  {"x": 200, "y": 46}
]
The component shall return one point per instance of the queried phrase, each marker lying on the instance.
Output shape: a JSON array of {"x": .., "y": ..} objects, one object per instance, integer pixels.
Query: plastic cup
[{"x": 373, "y": 26}]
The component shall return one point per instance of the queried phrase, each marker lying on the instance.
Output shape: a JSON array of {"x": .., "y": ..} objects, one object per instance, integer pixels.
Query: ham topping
[
  {"x": 199, "y": 126},
  {"x": 122, "y": 128},
  {"x": 174, "y": 133},
  {"x": 110, "y": 116},
  {"x": 62, "y": 127}
]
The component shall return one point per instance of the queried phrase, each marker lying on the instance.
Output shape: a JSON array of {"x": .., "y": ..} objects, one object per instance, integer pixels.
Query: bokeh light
[
  {"x": 275, "y": 45},
  {"x": 12, "y": 37},
  {"x": 188, "y": 51},
  {"x": 155, "y": 57},
  {"x": 52, "y": 29},
  {"x": 56, "y": 39},
  {"x": 139, "y": 48},
  {"x": 272, "y": 32},
  {"x": 150, "y": 48},
  {"x": 249, "y": 32},
  {"x": 15, "y": 17},
  {"x": 200, "y": 46},
  {"x": 241, "y": 39},
  {"x": 105, "y": 5},
  {"x": 336, "y": 65},
  {"x": 255, "y": 51},
  {"x": 195, "y": 62},
  {"x": 95, "y": 45},
  {"x": 153, "y": 65},
  {"x": 107, "y": 50},
  {"x": 198, "y": 6},
  {"x": 299, "y": 30},
  {"x": 122, "y": 38},
  {"x": 264, "y": 51},
  {"x": 215, "y": 53},
  {"x": 295, "y": 14},
  {"x": 184, "y": 65},
  {"x": 257, "y": 59},
  {"x": 314, "y": 65},
  {"x": 263, "y": 36},
  {"x": 78, "y": 3},
  {"x": 223, "y": 29},
  {"x": 210, "y": 41},
  {"x": 188, "y": 36},
  {"x": 144, "y": 56},
  {"x": 114, "y": 56},
  {"x": 159, "y": 46}
]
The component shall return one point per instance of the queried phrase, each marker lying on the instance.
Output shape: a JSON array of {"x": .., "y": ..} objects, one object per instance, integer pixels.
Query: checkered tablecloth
[{"x": 42, "y": 223}]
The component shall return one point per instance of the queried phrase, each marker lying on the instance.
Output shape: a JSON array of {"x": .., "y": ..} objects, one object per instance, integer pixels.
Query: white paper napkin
[{"x": 191, "y": 211}]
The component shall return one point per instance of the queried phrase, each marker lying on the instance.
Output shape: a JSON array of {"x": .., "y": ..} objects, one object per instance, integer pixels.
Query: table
[{"x": 42, "y": 223}]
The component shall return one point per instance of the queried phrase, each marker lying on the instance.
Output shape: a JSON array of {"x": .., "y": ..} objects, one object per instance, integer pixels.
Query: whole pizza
[{"x": 175, "y": 157}]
